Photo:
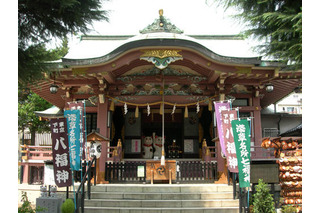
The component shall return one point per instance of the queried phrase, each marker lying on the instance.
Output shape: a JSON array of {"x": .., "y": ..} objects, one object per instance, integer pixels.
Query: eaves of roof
[{"x": 162, "y": 42}]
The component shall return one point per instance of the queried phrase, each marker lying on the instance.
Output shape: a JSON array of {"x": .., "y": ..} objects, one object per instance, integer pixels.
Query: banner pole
[
  {"x": 74, "y": 192},
  {"x": 248, "y": 198}
]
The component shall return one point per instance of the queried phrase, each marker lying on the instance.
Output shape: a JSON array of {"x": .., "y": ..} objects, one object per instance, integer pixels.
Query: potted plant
[
  {"x": 67, "y": 206},
  {"x": 262, "y": 199}
]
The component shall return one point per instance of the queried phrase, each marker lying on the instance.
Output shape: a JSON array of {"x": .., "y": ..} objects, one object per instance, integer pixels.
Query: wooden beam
[
  {"x": 109, "y": 77},
  {"x": 242, "y": 81},
  {"x": 213, "y": 76},
  {"x": 78, "y": 82}
]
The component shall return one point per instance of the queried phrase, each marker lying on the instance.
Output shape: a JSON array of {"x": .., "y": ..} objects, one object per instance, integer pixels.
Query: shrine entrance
[
  {"x": 151, "y": 125},
  {"x": 142, "y": 135}
]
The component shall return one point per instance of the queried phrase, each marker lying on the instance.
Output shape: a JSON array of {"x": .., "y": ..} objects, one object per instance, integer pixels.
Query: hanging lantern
[
  {"x": 137, "y": 112},
  {"x": 53, "y": 89},
  {"x": 112, "y": 106},
  {"x": 186, "y": 112}
]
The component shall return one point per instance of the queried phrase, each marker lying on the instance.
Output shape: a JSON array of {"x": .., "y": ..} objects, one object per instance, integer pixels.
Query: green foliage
[
  {"x": 41, "y": 21},
  {"x": 67, "y": 206},
  {"x": 288, "y": 209},
  {"x": 277, "y": 23},
  {"x": 29, "y": 102},
  {"x": 262, "y": 199},
  {"x": 26, "y": 206},
  {"x": 33, "y": 60}
]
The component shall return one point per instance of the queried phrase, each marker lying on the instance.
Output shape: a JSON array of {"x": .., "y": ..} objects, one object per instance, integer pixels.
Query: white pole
[{"x": 162, "y": 151}]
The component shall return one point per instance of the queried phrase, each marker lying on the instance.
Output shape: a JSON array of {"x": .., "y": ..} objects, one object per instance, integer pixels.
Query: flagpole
[{"x": 162, "y": 151}]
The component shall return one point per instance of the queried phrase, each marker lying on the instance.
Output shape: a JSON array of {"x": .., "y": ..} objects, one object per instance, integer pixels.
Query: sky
[
  {"x": 127, "y": 17},
  {"x": 194, "y": 17}
]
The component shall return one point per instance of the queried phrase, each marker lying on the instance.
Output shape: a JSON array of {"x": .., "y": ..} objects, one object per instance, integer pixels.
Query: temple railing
[
  {"x": 91, "y": 170},
  {"x": 186, "y": 171},
  {"x": 36, "y": 152},
  {"x": 45, "y": 153},
  {"x": 197, "y": 171},
  {"x": 209, "y": 153},
  {"x": 125, "y": 171}
]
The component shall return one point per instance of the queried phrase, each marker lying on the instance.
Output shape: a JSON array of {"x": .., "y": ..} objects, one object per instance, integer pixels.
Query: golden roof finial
[{"x": 161, "y": 12}]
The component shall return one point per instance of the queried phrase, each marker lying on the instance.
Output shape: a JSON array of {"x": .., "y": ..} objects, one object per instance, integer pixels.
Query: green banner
[{"x": 241, "y": 132}]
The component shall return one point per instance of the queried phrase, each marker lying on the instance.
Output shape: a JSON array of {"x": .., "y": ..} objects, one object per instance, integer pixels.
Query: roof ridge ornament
[{"x": 161, "y": 24}]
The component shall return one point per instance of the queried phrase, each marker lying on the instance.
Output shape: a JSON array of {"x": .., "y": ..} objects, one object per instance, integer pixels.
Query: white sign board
[
  {"x": 140, "y": 171},
  {"x": 48, "y": 175}
]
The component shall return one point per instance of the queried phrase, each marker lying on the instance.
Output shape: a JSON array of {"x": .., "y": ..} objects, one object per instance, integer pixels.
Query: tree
[
  {"x": 27, "y": 104},
  {"x": 40, "y": 21},
  {"x": 262, "y": 199},
  {"x": 33, "y": 61},
  {"x": 278, "y": 23}
]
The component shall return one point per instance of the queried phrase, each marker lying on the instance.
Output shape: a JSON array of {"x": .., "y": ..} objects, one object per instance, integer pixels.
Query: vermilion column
[
  {"x": 257, "y": 121},
  {"x": 25, "y": 173},
  {"x": 102, "y": 118}
]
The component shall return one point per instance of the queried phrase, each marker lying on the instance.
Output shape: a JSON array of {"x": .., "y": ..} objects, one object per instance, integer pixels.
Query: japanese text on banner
[
  {"x": 241, "y": 131},
  {"x": 81, "y": 107},
  {"x": 231, "y": 156},
  {"x": 60, "y": 152},
  {"x": 73, "y": 117},
  {"x": 220, "y": 106}
]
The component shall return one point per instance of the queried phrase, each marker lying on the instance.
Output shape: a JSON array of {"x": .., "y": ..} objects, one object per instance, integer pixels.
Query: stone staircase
[{"x": 136, "y": 198}]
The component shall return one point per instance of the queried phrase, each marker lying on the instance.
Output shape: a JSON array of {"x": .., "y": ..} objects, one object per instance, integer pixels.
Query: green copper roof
[{"x": 161, "y": 24}]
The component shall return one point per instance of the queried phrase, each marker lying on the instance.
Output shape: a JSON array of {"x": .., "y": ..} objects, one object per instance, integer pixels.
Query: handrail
[
  {"x": 81, "y": 186},
  {"x": 36, "y": 152}
]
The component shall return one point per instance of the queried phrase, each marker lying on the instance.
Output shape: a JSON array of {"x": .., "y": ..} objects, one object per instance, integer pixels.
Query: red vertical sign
[
  {"x": 60, "y": 152},
  {"x": 220, "y": 107},
  {"x": 227, "y": 116}
]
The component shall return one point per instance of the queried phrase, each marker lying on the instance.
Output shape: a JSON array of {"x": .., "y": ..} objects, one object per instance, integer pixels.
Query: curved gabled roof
[
  {"x": 162, "y": 33},
  {"x": 101, "y": 49},
  {"x": 212, "y": 62}
]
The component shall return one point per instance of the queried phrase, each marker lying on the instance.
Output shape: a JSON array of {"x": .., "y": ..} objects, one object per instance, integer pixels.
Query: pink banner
[
  {"x": 221, "y": 106},
  {"x": 231, "y": 155}
]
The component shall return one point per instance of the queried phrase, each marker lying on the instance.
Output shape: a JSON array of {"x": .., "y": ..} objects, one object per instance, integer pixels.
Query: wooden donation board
[{"x": 160, "y": 172}]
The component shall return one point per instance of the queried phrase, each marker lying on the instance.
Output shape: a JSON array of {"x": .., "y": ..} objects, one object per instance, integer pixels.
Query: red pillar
[
  {"x": 257, "y": 121},
  {"x": 25, "y": 173},
  {"x": 102, "y": 119}
]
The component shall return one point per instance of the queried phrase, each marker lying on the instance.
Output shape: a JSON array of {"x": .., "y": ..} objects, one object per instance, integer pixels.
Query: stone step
[
  {"x": 162, "y": 203},
  {"x": 161, "y": 196},
  {"x": 145, "y": 198},
  {"x": 162, "y": 210},
  {"x": 162, "y": 188}
]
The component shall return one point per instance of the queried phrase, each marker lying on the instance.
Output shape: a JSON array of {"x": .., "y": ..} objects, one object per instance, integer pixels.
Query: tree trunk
[{"x": 33, "y": 138}]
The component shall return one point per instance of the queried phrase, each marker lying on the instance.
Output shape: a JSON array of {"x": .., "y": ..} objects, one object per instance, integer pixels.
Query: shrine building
[{"x": 125, "y": 79}]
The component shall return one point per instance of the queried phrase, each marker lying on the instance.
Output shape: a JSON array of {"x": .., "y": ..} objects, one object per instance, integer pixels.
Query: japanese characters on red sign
[
  {"x": 60, "y": 152},
  {"x": 219, "y": 107},
  {"x": 231, "y": 155}
]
